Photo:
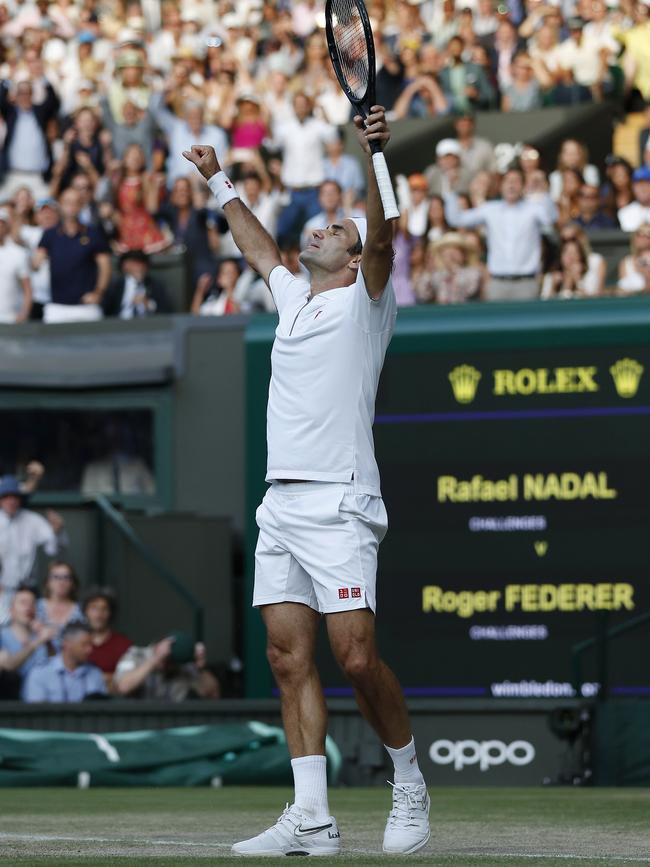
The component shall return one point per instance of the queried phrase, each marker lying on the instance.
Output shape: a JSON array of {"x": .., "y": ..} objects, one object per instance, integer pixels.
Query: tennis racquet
[{"x": 352, "y": 51}]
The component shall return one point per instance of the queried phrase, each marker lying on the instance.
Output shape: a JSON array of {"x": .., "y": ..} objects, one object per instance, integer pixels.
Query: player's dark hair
[
  {"x": 356, "y": 249},
  {"x": 27, "y": 588}
]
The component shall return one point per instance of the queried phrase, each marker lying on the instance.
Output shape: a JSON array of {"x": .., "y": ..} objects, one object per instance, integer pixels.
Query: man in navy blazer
[{"x": 26, "y": 155}]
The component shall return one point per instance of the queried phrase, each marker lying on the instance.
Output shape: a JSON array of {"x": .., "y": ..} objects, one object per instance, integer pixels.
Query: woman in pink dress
[{"x": 137, "y": 197}]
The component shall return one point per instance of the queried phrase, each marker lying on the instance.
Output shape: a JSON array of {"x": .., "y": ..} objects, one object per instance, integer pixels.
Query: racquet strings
[{"x": 351, "y": 47}]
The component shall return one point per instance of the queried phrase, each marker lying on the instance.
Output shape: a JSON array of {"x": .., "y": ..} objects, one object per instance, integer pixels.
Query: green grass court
[{"x": 474, "y": 827}]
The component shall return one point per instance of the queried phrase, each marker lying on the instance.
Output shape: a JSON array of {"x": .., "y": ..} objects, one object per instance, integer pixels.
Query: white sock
[
  {"x": 310, "y": 781},
  {"x": 406, "y": 763}
]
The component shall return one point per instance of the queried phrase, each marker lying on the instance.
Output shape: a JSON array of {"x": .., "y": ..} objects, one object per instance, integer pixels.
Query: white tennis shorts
[{"x": 318, "y": 545}]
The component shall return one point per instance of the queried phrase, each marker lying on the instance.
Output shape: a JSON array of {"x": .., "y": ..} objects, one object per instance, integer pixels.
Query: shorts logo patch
[
  {"x": 356, "y": 592},
  {"x": 344, "y": 593}
]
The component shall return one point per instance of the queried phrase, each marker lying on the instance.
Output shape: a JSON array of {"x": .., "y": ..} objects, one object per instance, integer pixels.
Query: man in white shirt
[
  {"x": 303, "y": 141},
  {"x": 513, "y": 226},
  {"x": 15, "y": 286},
  {"x": 322, "y": 518},
  {"x": 631, "y": 216},
  {"x": 22, "y": 533},
  {"x": 182, "y": 131}
]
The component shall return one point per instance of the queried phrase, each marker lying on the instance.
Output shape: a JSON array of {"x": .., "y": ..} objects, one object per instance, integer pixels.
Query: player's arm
[
  {"x": 257, "y": 246},
  {"x": 377, "y": 256}
]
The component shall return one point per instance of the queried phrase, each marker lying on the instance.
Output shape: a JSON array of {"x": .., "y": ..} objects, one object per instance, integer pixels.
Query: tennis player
[{"x": 322, "y": 518}]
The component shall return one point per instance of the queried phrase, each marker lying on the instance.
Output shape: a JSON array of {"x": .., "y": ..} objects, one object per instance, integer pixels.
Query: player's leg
[
  {"x": 380, "y": 699},
  {"x": 306, "y": 827}
]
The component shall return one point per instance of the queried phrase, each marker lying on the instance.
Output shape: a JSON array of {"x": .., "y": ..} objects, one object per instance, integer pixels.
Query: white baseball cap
[{"x": 447, "y": 147}]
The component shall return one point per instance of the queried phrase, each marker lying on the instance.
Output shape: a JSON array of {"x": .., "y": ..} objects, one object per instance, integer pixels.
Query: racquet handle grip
[{"x": 385, "y": 186}]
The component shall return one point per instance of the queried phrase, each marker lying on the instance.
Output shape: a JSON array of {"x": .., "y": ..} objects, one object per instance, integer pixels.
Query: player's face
[{"x": 328, "y": 248}]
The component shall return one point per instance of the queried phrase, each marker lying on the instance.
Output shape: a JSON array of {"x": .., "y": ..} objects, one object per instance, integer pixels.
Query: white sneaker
[
  {"x": 295, "y": 833},
  {"x": 407, "y": 828}
]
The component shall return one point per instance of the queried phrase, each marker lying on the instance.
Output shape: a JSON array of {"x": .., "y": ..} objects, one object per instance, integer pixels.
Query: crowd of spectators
[
  {"x": 59, "y": 645},
  {"x": 98, "y": 101}
]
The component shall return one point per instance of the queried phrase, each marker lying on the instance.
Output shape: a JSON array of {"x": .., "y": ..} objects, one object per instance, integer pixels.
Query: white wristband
[{"x": 222, "y": 189}]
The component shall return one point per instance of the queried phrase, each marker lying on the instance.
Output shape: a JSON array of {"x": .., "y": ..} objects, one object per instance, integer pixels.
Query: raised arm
[
  {"x": 257, "y": 246},
  {"x": 377, "y": 256},
  {"x": 458, "y": 218}
]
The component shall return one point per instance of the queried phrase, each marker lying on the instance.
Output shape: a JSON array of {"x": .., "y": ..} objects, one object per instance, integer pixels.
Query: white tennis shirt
[{"x": 325, "y": 365}]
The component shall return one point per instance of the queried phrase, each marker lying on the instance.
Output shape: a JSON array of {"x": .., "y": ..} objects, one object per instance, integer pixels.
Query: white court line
[{"x": 56, "y": 838}]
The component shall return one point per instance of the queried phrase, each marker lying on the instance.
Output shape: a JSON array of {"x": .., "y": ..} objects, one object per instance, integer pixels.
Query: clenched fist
[{"x": 205, "y": 159}]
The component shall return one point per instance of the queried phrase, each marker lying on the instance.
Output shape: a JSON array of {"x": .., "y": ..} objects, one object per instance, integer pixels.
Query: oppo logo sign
[{"x": 485, "y": 754}]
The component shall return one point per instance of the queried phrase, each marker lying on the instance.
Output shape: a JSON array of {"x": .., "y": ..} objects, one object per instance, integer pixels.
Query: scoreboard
[{"x": 513, "y": 443}]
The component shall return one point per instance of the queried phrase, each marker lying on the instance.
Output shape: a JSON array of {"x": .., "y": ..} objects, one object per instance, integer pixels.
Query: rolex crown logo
[
  {"x": 626, "y": 374},
  {"x": 464, "y": 382}
]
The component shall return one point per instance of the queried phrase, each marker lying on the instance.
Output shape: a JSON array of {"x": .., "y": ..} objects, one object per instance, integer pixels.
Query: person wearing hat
[
  {"x": 514, "y": 226},
  {"x": 322, "y": 518},
  {"x": 15, "y": 285},
  {"x": 129, "y": 83},
  {"x": 637, "y": 212},
  {"x": 456, "y": 275},
  {"x": 173, "y": 669},
  {"x": 22, "y": 534},
  {"x": 447, "y": 174},
  {"x": 135, "y": 293}
]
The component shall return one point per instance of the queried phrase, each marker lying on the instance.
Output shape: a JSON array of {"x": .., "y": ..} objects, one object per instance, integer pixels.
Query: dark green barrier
[
  {"x": 622, "y": 743},
  {"x": 512, "y": 443},
  {"x": 229, "y": 754}
]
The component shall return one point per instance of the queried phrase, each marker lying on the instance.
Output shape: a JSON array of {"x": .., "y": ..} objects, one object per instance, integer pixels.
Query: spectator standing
[
  {"x": 303, "y": 140},
  {"x": 23, "y": 641},
  {"x": 82, "y": 151},
  {"x": 135, "y": 293},
  {"x": 100, "y": 609},
  {"x": 447, "y": 174},
  {"x": 26, "y": 155},
  {"x": 194, "y": 228},
  {"x": 80, "y": 266},
  {"x": 330, "y": 199},
  {"x": 136, "y": 127},
  {"x": 522, "y": 93},
  {"x": 344, "y": 169},
  {"x": 58, "y": 606},
  {"x": 476, "y": 153},
  {"x": 15, "y": 285},
  {"x": 68, "y": 676},
  {"x": 138, "y": 195},
  {"x": 514, "y": 227},
  {"x": 182, "y": 132},
  {"x": 22, "y": 534},
  {"x": 171, "y": 670},
  {"x": 464, "y": 84},
  {"x": 591, "y": 215},
  {"x": 583, "y": 66},
  {"x": 632, "y": 216}
]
